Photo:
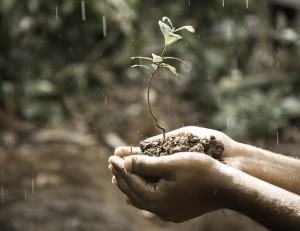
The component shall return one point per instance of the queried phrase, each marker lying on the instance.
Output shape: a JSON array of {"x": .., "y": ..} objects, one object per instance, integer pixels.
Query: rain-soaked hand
[{"x": 189, "y": 184}]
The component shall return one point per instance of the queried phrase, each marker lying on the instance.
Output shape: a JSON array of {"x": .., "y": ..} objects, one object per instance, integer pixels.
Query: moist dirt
[{"x": 183, "y": 143}]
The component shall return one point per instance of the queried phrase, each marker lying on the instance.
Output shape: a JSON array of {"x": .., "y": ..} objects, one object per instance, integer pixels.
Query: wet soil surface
[{"x": 183, "y": 143}]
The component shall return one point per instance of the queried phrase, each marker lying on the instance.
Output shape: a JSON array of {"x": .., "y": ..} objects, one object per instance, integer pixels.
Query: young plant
[{"x": 158, "y": 60}]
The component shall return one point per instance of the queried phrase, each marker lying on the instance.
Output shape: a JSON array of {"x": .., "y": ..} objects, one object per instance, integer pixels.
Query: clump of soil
[{"x": 183, "y": 143}]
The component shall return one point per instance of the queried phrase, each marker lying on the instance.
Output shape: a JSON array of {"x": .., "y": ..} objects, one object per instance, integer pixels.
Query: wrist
[{"x": 238, "y": 156}]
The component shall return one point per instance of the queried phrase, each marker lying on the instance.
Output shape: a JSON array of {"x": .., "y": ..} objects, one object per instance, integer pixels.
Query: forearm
[
  {"x": 276, "y": 169},
  {"x": 271, "y": 206}
]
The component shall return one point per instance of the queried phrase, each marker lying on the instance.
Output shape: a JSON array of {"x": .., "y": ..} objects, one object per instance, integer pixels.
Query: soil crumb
[{"x": 183, "y": 143}]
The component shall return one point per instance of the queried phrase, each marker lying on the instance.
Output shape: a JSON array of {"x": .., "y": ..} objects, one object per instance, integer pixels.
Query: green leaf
[
  {"x": 171, "y": 68},
  {"x": 141, "y": 66},
  {"x": 188, "y": 28},
  {"x": 171, "y": 38},
  {"x": 154, "y": 66},
  {"x": 174, "y": 58},
  {"x": 165, "y": 29},
  {"x": 156, "y": 58},
  {"x": 166, "y": 18},
  {"x": 141, "y": 57}
]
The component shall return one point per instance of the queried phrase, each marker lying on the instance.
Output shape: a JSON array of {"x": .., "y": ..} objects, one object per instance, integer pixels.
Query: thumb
[{"x": 150, "y": 166}]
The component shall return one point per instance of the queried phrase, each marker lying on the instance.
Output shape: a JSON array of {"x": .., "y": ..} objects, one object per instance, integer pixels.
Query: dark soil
[{"x": 183, "y": 143}]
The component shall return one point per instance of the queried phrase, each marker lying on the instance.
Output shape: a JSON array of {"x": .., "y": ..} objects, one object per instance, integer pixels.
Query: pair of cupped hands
[{"x": 188, "y": 184}]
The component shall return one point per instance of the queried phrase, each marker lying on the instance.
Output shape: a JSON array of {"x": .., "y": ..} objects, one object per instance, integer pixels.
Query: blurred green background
[
  {"x": 68, "y": 97},
  {"x": 242, "y": 64}
]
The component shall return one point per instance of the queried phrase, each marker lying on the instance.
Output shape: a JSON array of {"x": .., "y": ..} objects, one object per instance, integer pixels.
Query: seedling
[{"x": 158, "y": 60}]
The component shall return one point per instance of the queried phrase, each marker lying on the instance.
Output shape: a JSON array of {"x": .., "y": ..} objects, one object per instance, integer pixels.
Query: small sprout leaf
[
  {"x": 188, "y": 28},
  {"x": 165, "y": 29},
  {"x": 154, "y": 66},
  {"x": 174, "y": 58},
  {"x": 141, "y": 57},
  {"x": 166, "y": 18},
  {"x": 137, "y": 65},
  {"x": 156, "y": 58},
  {"x": 171, "y": 68},
  {"x": 171, "y": 38}
]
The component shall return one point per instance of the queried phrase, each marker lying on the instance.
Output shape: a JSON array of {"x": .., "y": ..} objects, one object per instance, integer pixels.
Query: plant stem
[{"x": 148, "y": 97}]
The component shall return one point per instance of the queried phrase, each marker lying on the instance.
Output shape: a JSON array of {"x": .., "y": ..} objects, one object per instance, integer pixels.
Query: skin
[{"x": 253, "y": 181}]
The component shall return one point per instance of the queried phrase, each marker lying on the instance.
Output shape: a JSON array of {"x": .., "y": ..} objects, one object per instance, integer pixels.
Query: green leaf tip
[
  {"x": 156, "y": 58},
  {"x": 171, "y": 68},
  {"x": 165, "y": 29}
]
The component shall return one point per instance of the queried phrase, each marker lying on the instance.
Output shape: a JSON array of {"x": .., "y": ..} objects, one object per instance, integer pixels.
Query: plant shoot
[{"x": 158, "y": 61}]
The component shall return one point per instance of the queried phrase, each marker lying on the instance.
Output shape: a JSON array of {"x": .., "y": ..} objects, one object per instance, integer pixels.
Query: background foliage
[{"x": 54, "y": 64}]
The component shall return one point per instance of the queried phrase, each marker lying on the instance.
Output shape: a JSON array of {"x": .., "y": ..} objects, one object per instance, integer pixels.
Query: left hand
[{"x": 189, "y": 184}]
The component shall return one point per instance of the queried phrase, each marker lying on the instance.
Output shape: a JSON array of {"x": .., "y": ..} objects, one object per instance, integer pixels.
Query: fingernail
[
  {"x": 128, "y": 201},
  {"x": 110, "y": 167},
  {"x": 114, "y": 180},
  {"x": 124, "y": 168}
]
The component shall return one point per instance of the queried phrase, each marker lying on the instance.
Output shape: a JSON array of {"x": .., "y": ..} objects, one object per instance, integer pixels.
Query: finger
[
  {"x": 126, "y": 151},
  {"x": 161, "y": 167},
  {"x": 128, "y": 201},
  {"x": 133, "y": 189},
  {"x": 114, "y": 180}
]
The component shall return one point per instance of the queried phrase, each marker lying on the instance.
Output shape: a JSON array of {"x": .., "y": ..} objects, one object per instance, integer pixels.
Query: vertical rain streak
[
  {"x": 83, "y": 10},
  {"x": 228, "y": 123},
  {"x": 56, "y": 12},
  {"x": 104, "y": 26},
  {"x": 247, "y": 4},
  {"x": 32, "y": 186}
]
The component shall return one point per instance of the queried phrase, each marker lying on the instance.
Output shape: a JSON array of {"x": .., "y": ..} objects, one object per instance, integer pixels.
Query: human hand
[{"x": 189, "y": 184}]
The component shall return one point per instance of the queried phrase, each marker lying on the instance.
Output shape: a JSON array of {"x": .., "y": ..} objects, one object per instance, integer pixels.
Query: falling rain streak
[
  {"x": 247, "y": 4},
  {"x": 56, "y": 11},
  {"x": 277, "y": 139},
  {"x": 2, "y": 195},
  {"x": 104, "y": 26},
  {"x": 32, "y": 186},
  {"x": 223, "y": 3},
  {"x": 227, "y": 123},
  {"x": 83, "y": 10}
]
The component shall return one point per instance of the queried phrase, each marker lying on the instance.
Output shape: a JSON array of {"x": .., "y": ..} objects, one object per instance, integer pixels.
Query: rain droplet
[
  {"x": 223, "y": 3},
  {"x": 247, "y": 4},
  {"x": 32, "y": 186},
  {"x": 56, "y": 12},
  {"x": 83, "y": 10},
  {"x": 227, "y": 123},
  {"x": 2, "y": 195},
  {"x": 277, "y": 139},
  {"x": 104, "y": 26}
]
